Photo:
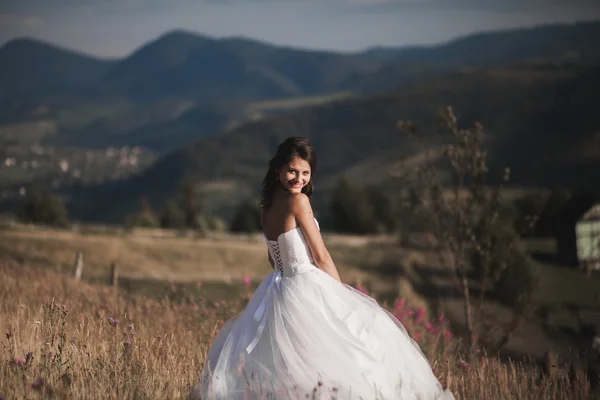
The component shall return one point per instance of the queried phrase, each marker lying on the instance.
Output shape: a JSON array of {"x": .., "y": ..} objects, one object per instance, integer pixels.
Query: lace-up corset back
[{"x": 290, "y": 252}]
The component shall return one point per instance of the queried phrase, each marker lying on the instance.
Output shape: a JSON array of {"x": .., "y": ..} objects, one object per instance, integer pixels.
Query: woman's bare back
[{"x": 279, "y": 218}]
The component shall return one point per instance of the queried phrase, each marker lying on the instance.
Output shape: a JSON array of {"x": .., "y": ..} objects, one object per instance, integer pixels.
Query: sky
[{"x": 115, "y": 28}]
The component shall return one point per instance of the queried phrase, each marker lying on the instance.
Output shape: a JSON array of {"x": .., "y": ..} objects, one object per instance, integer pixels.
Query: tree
[
  {"x": 171, "y": 216},
  {"x": 529, "y": 208},
  {"x": 467, "y": 222},
  {"x": 246, "y": 218},
  {"x": 144, "y": 218},
  {"x": 43, "y": 208},
  {"x": 383, "y": 211},
  {"x": 547, "y": 222},
  {"x": 191, "y": 207},
  {"x": 351, "y": 210}
]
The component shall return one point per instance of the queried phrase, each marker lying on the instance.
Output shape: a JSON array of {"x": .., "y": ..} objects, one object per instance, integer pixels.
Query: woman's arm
[{"x": 302, "y": 211}]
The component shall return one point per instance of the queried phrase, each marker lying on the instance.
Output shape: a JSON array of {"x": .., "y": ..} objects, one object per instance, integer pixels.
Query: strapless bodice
[{"x": 290, "y": 252}]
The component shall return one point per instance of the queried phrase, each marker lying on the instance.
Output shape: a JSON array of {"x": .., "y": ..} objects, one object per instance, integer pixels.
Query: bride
[{"x": 305, "y": 334}]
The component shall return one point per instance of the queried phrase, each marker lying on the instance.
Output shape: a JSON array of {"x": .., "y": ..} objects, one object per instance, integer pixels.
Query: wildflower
[
  {"x": 410, "y": 312},
  {"x": 361, "y": 289},
  {"x": 428, "y": 326},
  {"x": 417, "y": 336},
  {"x": 441, "y": 319},
  {"x": 475, "y": 336},
  {"x": 448, "y": 335},
  {"x": 399, "y": 304},
  {"x": 247, "y": 281},
  {"x": 420, "y": 315},
  {"x": 128, "y": 342},
  {"x": 18, "y": 361},
  {"x": 37, "y": 384},
  {"x": 464, "y": 364},
  {"x": 199, "y": 284},
  {"x": 113, "y": 322}
]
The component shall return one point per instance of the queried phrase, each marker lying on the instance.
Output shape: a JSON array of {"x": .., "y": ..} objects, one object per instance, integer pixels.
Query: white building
[{"x": 588, "y": 238}]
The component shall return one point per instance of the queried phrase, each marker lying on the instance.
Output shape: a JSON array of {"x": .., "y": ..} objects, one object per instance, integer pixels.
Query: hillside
[
  {"x": 185, "y": 65},
  {"x": 33, "y": 72},
  {"x": 29, "y": 66},
  {"x": 130, "y": 101},
  {"x": 528, "y": 112},
  {"x": 563, "y": 43}
]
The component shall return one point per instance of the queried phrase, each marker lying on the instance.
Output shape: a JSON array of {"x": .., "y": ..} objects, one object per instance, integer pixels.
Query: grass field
[
  {"x": 68, "y": 339},
  {"x": 183, "y": 286}
]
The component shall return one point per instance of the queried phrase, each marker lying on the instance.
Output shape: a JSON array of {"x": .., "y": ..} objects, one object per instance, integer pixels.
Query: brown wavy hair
[{"x": 289, "y": 149}]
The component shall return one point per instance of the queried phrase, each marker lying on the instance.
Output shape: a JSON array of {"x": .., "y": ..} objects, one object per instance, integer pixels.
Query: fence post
[
  {"x": 78, "y": 266},
  {"x": 114, "y": 274}
]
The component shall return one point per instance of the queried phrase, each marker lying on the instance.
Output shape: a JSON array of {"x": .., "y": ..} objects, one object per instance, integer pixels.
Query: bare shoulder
[{"x": 298, "y": 200}]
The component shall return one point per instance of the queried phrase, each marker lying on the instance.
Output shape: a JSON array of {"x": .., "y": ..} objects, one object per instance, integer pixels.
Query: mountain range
[
  {"x": 193, "y": 99},
  {"x": 539, "y": 121}
]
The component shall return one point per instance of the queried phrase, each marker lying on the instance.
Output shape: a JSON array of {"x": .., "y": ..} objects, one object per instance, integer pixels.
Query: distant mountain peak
[
  {"x": 29, "y": 45},
  {"x": 182, "y": 34}
]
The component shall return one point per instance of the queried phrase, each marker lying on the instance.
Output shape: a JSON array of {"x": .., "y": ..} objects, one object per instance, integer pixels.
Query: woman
[{"x": 304, "y": 332}]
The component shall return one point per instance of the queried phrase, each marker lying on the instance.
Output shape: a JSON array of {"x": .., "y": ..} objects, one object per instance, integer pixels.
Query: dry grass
[
  {"x": 158, "y": 254},
  {"x": 61, "y": 339}
]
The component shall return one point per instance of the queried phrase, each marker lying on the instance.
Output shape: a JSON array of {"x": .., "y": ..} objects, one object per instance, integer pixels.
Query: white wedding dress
[{"x": 305, "y": 334}]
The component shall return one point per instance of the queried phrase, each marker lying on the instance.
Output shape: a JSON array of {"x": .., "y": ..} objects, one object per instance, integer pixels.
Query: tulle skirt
[{"x": 309, "y": 335}]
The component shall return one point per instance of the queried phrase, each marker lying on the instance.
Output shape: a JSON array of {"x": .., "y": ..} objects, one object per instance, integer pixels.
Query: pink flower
[
  {"x": 448, "y": 335},
  {"x": 113, "y": 322},
  {"x": 464, "y": 364},
  {"x": 361, "y": 289},
  {"x": 18, "y": 361},
  {"x": 428, "y": 326},
  {"x": 199, "y": 284},
  {"x": 420, "y": 315},
  {"x": 417, "y": 336},
  {"x": 399, "y": 304},
  {"x": 475, "y": 336},
  {"x": 441, "y": 319},
  {"x": 37, "y": 384},
  {"x": 247, "y": 281}
]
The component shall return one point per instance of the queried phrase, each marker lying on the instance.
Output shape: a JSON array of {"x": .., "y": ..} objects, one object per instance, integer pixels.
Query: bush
[
  {"x": 511, "y": 274},
  {"x": 216, "y": 224},
  {"x": 362, "y": 210},
  {"x": 171, "y": 216},
  {"x": 145, "y": 218},
  {"x": 247, "y": 218},
  {"x": 43, "y": 208}
]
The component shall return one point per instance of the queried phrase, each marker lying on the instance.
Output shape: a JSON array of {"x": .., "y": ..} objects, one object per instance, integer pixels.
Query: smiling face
[{"x": 295, "y": 175}]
